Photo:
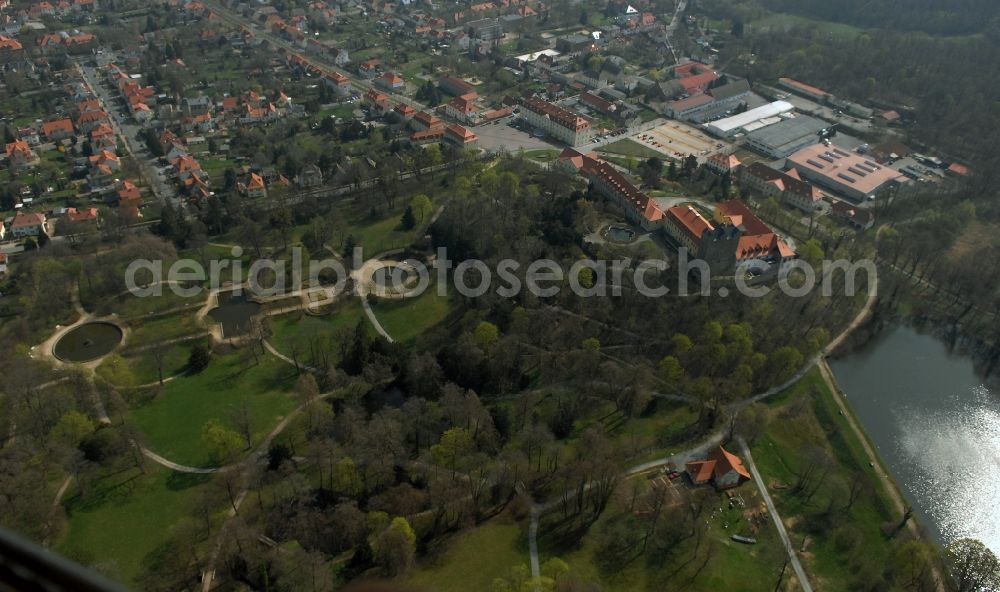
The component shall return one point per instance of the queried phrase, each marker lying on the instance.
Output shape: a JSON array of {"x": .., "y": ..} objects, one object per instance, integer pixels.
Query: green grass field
[
  {"x": 156, "y": 329},
  {"x": 542, "y": 155},
  {"x": 380, "y": 235},
  {"x": 141, "y": 368},
  {"x": 406, "y": 319},
  {"x": 627, "y": 147},
  {"x": 126, "y": 515},
  {"x": 779, "y": 457},
  {"x": 128, "y": 307},
  {"x": 473, "y": 559},
  {"x": 172, "y": 422},
  {"x": 343, "y": 111},
  {"x": 299, "y": 330}
]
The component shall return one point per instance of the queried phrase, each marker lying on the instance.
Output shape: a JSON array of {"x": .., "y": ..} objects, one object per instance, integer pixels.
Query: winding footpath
[{"x": 719, "y": 436}]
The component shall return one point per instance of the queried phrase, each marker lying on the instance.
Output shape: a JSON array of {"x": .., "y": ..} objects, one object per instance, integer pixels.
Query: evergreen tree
[
  {"x": 199, "y": 358},
  {"x": 408, "y": 221}
]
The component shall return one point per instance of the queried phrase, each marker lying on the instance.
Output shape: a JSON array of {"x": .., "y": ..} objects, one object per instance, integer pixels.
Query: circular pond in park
[
  {"x": 88, "y": 342},
  {"x": 394, "y": 277}
]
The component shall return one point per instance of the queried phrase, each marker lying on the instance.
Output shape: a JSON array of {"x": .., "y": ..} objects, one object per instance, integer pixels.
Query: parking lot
[
  {"x": 678, "y": 140},
  {"x": 499, "y": 137}
]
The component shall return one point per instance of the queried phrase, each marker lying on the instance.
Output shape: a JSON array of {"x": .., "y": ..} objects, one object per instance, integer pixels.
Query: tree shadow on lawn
[
  {"x": 115, "y": 487},
  {"x": 178, "y": 481},
  {"x": 560, "y": 535}
]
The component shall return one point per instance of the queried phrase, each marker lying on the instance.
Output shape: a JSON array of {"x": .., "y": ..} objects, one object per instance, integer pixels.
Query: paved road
[
  {"x": 793, "y": 557},
  {"x": 127, "y": 131}
]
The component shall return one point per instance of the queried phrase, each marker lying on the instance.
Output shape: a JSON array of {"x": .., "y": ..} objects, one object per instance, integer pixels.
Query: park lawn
[
  {"x": 128, "y": 306},
  {"x": 175, "y": 361},
  {"x": 407, "y": 318},
  {"x": 139, "y": 368},
  {"x": 380, "y": 235},
  {"x": 127, "y": 515},
  {"x": 297, "y": 329},
  {"x": 173, "y": 420},
  {"x": 627, "y": 147},
  {"x": 777, "y": 456},
  {"x": 343, "y": 111},
  {"x": 156, "y": 329},
  {"x": 473, "y": 559},
  {"x": 542, "y": 155}
]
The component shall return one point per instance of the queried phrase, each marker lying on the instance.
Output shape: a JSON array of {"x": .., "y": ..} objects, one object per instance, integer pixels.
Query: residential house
[
  {"x": 369, "y": 68},
  {"x": 20, "y": 155},
  {"x": 722, "y": 469},
  {"x": 463, "y": 108},
  {"x": 377, "y": 102},
  {"x": 29, "y": 133},
  {"x": 254, "y": 187},
  {"x": 129, "y": 197},
  {"x": 340, "y": 84},
  {"x": 27, "y": 224},
  {"x": 403, "y": 112},
  {"x": 10, "y": 47},
  {"x": 59, "y": 129},
  {"x": 85, "y": 215},
  {"x": 391, "y": 82},
  {"x": 105, "y": 158},
  {"x": 309, "y": 176},
  {"x": 88, "y": 120}
]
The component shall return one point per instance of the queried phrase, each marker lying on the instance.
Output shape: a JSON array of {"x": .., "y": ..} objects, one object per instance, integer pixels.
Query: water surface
[
  {"x": 937, "y": 427},
  {"x": 234, "y": 313},
  {"x": 88, "y": 342}
]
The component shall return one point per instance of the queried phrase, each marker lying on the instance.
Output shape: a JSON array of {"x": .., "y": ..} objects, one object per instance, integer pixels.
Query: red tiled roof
[
  {"x": 803, "y": 87},
  {"x": 50, "y": 127},
  {"x": 563, "y": 117},
  {"x": 690, "y": 220},
  {"x": 23, "y": 220},
  {"x": 736, "y": 210},
  {"x": 700, "y": 471},
  {"x": 726, "y": 461}
]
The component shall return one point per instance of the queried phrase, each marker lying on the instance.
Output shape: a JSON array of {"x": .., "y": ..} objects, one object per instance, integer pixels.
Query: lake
[{"x": 937, "y": 427}]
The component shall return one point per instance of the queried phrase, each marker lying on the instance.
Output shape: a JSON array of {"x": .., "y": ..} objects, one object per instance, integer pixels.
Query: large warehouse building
[
  {"x": 787, "y": 136},
  {"x": 749, "y": 121},
  {"x": 852, "y": 175}
]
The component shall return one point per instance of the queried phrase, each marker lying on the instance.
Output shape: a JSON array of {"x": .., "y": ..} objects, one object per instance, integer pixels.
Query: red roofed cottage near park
[{"x": 722, "y": 469}]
